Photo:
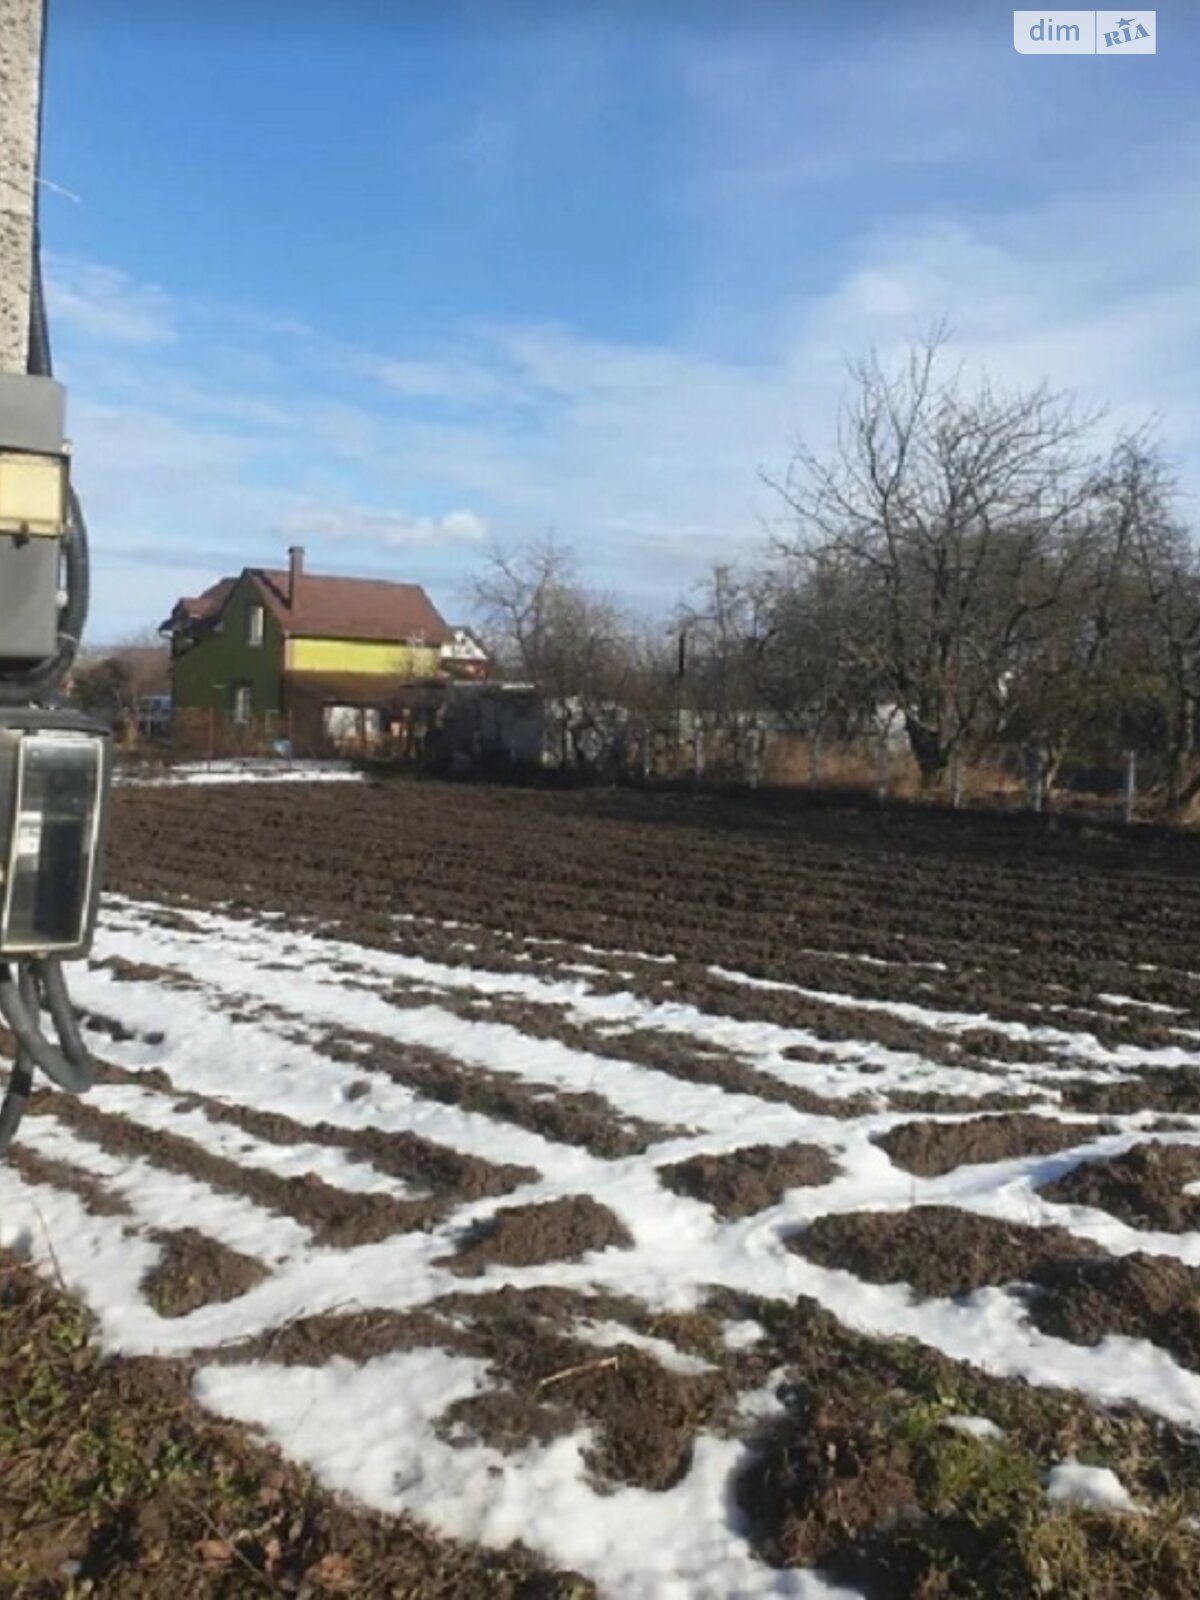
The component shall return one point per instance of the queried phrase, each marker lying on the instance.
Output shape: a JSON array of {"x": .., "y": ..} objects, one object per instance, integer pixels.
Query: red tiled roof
[
  {"x": 201, "y": 607},
  {"x": 352, "y": 608},
  {"x": 369, "y": 609}
]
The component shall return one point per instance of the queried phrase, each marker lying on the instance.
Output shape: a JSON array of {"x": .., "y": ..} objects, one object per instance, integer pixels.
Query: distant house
[
  {"x": 335, "y": 654},
  {"x": 465, "y": 658}
]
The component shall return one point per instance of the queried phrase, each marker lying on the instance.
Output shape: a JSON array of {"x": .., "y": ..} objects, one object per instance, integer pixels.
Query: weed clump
[{"x": 873, "y": 1475}]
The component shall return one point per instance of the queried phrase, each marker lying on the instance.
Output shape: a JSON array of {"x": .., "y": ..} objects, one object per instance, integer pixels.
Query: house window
[
  {"x": 243, "y": 703},
  {"x": 254, "y": 625}
]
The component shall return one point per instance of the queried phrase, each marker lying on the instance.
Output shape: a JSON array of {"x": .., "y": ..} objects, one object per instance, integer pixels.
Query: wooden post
[
  {"x": 1129, "y": 799},
  {"x": 647, "y": 755},
  {"x": 1033, "y": 780},
  {"x": 698, "y": 737},
  {"x": 956, "y": 782},
  {"x": 881, "y": 769},
  {"x": 755, "y": 755}
]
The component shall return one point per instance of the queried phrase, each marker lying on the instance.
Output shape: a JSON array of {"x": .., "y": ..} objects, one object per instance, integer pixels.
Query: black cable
[
  {"x": 66, "y": 1064},
  {"x": 40, "y": 363},
  {"x": 70, "y": 1040},
  {"x": 16, "y": 1098}
]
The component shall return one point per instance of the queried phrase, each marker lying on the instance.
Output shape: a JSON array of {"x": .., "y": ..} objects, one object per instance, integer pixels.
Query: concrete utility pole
[
  {"x": 55, "y": 765},
  {"x": 21, "y": 23}
]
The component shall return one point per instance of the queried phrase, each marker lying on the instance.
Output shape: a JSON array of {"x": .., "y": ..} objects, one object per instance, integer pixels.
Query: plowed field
[{"x": 709, "y": 1197}]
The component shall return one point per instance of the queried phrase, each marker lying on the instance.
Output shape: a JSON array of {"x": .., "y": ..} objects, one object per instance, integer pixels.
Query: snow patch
[{"x": 1093, "y": 1488}]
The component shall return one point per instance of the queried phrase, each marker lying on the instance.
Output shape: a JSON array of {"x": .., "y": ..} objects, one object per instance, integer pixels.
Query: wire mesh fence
[{"x": 686, "y": 749}]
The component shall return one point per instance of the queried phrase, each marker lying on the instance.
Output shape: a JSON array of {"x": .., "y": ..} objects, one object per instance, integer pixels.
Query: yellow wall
[{"x": 355, "y": 655}]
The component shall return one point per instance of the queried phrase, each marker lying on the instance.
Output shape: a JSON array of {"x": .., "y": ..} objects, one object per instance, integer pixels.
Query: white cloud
[
  {"x": 104, "y": 304},
  {"x": 647, "y": 456},
  {"x": 371, "y": 529}
]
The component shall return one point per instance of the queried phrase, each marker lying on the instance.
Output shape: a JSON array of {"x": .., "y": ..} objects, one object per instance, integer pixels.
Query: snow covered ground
[
  {"x": 251, "y": 770},
  {"x": 240, "y": 1013}
]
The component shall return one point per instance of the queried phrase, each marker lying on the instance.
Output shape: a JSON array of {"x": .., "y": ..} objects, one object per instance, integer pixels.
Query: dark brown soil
[
  {"x": 1170, "y": 1089},
  {"x": 939, "y": 1250},
  {"x": 33, "y": 1168},
  {"x": 1153, "y": 1457},
  {"x": 673, "y": 1054},
  {"x": 144, "y": 1077},
  {"x": 1144, "y": 1187},
  {"x": 1079, "y": 1292},
  {"x": 110, "y": 1465},
  {"x": 124, "y": 971},
  {"x": 548, "y": 1380},
  {"x": 932, "y": 1102},
  {"x": 115, "y": 1029},
  {"x": 756, "y": 884},
  {"x": 647, "y": 1417},
  {"x": 863, "y": 1477},
  {"x": 335, "y": 1216},
  {"x": 744, "y": 1181},
  {"x": 194, "y": 1270},
  {"x": 585, "y": 1119},
  {"x": 457, "y": 1322},
  {"x": 404, "y": 1155},
  {"x": 836, "y": 1484},
  {"x": 931, "y": 1149},
  {"x": 1139, "y": 1296},
  {"x": 527, "y": 1236}
]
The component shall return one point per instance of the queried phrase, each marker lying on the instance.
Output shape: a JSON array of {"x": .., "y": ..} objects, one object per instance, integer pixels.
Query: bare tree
[
  {"x": 822, "y": 665},
  {"x": 113, "y": 681},
  {"x": 724, "y": 635},
  {"x": 1086, "y": 671},
  {"x": 1168, "y": 567},
  {"x": 942, "y": 508},
  {"x": 549, "y": 630}
]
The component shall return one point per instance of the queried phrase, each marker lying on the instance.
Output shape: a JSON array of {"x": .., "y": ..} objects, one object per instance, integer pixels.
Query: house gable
[
  {"x": 308, "y": 624},
  {"x": 212, "y": 655}
]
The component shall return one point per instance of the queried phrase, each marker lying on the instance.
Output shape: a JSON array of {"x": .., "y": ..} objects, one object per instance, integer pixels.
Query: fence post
[
  {"x": 881, "y": 769},
  {"x": 1130, "y": 794},
  {"x": 755, "y": 754},
  {"x": 647, "y": 755},
  {"x": 699, "y": 752},
  {"x": 1033, "y": 780},
  {"x": 955, "y": 781}
]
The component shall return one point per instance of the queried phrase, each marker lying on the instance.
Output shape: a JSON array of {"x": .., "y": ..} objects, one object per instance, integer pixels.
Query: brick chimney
[{"x": 295, "y": 571}]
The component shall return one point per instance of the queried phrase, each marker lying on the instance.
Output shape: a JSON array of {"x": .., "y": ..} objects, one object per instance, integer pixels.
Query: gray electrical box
[
  {"x": 54, "y": 780},
  {"x": 32, "y": 413},
  {"x": 28, "y": 598}
]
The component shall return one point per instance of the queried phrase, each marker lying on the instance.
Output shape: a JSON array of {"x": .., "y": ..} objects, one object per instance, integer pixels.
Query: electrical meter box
[
  {"x": 33, "y": 511},
  {"x": 28, "y": 598},
  {"x": 54, "y": 780}
]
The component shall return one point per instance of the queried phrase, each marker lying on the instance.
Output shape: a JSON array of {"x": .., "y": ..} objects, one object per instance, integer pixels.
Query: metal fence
[{"x": 698, "y": 752}]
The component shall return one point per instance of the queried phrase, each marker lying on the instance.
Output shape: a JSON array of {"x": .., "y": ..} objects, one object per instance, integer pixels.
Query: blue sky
[{"x": 395, "y": 280}]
